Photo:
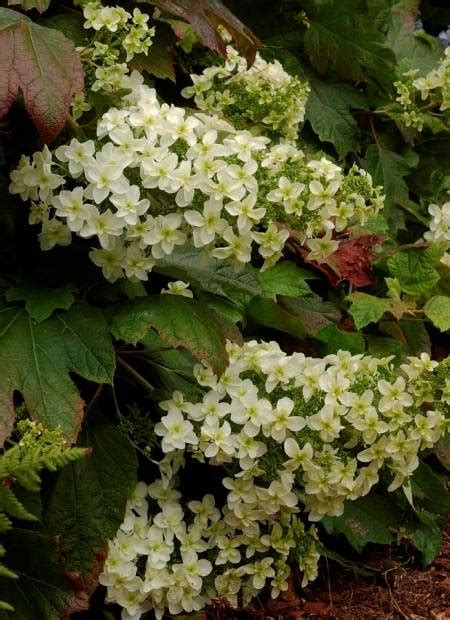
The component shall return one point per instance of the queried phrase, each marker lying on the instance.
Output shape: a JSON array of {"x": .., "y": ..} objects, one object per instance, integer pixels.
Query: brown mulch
[{"x": 396, "y": 592}]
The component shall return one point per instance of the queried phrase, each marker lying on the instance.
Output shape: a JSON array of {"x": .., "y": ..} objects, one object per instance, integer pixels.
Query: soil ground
[{"x": 396, "y": 592}]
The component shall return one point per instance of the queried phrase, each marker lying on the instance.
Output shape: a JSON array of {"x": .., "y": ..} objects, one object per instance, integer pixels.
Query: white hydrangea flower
[
  {"x": 263, "y": 95},
  {"x": 287, "y": 433},
  {"x": 158, "y": 177}
]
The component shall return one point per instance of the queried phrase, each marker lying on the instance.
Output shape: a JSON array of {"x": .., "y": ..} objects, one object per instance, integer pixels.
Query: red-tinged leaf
[
  {"x": 354, "y": 259},
  {"x": 28, "y": 5},
  {"x": 205, "y": 16},
  {"x": 330, "y": 274},
  {"x": 43, "y": 63}
]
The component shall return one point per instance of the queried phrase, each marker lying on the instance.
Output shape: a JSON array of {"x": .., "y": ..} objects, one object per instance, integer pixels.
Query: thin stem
[
  {"x": 136, "y": 375},
  {"x": 374, "y": 134},
  {"x": 73, "y": 127},
  {"x": 97, "y": 393}
]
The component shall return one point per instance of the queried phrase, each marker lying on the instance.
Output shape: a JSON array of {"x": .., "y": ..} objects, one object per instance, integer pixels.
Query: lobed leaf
[
  {"x": 367, "y": 309},
  {"x": 211, "y": 274},
  {"x": 287, "y": 279},
  {"x": 342, "y": 36},
  {"x": 415, "y": 268},
  {"x": 36, "y": 359},
  {"x": 180, "y": 322},
  {"x": 58, "y": 564},
  {"x": 41, "y": 302},
  {"x": 43, "y": 64},
  {"x": 328, "y": 109}
]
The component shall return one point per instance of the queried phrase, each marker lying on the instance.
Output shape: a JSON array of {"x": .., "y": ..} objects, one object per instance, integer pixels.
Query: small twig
[
  {"x": 136, "y": 376},
  {"x": 374, "y": 133},
  {"x": 97, "y": 393}
]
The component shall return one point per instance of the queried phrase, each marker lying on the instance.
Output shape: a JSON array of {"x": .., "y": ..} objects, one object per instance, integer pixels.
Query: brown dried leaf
[{"x": 354, "y": 259}]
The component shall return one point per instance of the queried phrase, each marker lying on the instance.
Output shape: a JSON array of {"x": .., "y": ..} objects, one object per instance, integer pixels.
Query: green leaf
[
  {"x": 36, "y": 359},
  {"x": 413, "y": 50},
  {"x": 28, "y": 5},
  {"x": 328, "y": 109},
  {"x": 285, "y": 278},
  {"x": 427, "y": 537},
  {"x": 430, "y": 490},
  {"x": 342, "y": 36},
  {"x": 415, "y": 268},
  {"x": 389, "y": 169},
  {"x": 437, "y": 309},
  {"x": 43, "y": 63},
  {"x": 180, "y": 322},
  {"x": 335, "y": 339},
  {"x": 442, "y": 451},
  {"x": 313, "y": 313},
  {"x": 268, "y": 313},
  {"x": 304, "y": 316},
  {"x": 171, "y": 369},
  {"x": 368, "y": 519},
  {"x": 160, "y": 60},
  {"x": 71, "y": 25},
  {"x": 412, "y": 336},
  {"x": 383, "y": 347},
  {"x": 367, "y": 309},
  {"x": 43, "y": 590},
  {"x": 40, "y": 301},
  {"x": 87, "y": 502},
  {"x": 222, "y": 306},
  {"x": 212, "y": 275},
  {"x": 59, "y": 562}
]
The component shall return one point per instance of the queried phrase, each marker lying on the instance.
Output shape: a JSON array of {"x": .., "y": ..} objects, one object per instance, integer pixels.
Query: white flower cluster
[
  {"x": 158, "y": 176},
  {"x": 439, "y": 229},
  {"x": 119, "y": 36},
  {"x": 264, "y": 96},
  {"x": 178, "y": 288},
  {"x": 284, "y": 432},
  {"x": 172, "y": 555},
  {"x": 440, "y": 224},
  {"x": 420, "y": 95},
  {"x": 340, "y": 420}
]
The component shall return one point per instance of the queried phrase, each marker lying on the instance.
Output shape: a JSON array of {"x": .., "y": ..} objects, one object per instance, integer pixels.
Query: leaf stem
[
  {"x": 73, "y": 127},
  {"x": 136, "y": 375}
]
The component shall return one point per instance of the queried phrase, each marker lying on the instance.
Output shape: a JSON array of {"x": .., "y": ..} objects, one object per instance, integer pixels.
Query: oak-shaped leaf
[
  {"x": 59, "y": 562},
  {"x": 298, "y": 316},
  {"x": 342, "y": 36},
  {"x": 180, "y": 323},
  {"x": 36, "y": 359},
  {"x": 41, "y": 302},
  {"x": 329, "y": 110},
  {"x": 366, "y": 309},
  {"x": 205, "y": 16},
  {"x": 44, "y": 65}
]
